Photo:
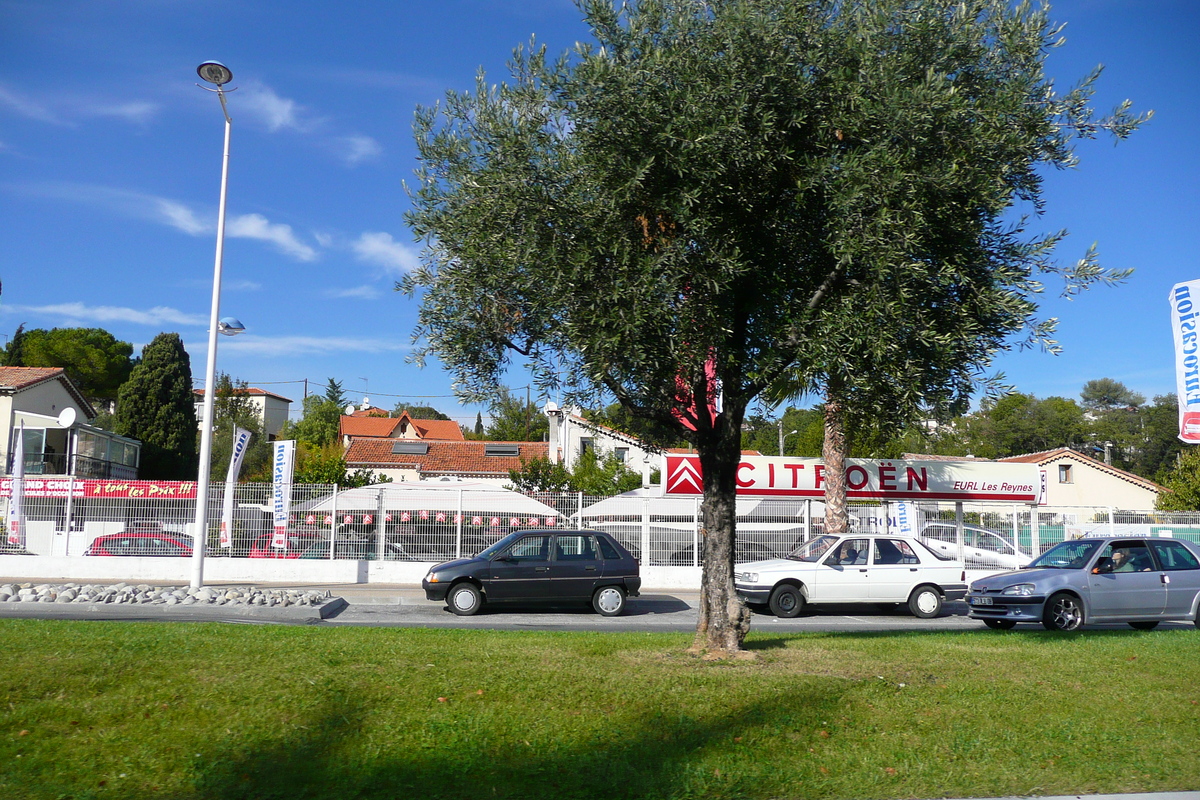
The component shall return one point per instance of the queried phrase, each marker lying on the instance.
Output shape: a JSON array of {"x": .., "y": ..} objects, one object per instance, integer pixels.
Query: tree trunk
[
  {"x": 724, "y": 620},
  {"x": 833, "y": 453}
]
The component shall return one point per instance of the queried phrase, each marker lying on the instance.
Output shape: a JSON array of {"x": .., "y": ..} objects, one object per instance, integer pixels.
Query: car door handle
[
  {"x": 912, "y": 569},
  {"x": 1165, "y": 579},
  {"x": 589, "y": 569},
  {"x": 862, "y": 570},
  {"x": 541, "y": 569}
]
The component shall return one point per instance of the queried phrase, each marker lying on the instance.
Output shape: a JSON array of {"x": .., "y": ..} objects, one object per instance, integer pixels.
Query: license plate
[{"x": 981, "y": 601}]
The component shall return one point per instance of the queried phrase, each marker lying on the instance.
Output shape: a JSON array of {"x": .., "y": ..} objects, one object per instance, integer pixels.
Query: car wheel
[
  {"x": 925, "y": 602},
  {"x": 1063, "y": 612},
  {"x": 786, "y": 601},
  {"x": 1145, "y": 625},
  {"x": 464, "y": 599},
  {"x": 609, "y": 601},
  {"x": 1000, "y": 624}
]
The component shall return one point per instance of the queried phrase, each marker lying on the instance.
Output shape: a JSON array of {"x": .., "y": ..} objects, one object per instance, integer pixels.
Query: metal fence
[{"x": 430, "y": 523}]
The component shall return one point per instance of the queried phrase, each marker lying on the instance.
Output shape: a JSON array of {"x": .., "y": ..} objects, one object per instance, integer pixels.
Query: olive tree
[{"x": 717, "y": 198}]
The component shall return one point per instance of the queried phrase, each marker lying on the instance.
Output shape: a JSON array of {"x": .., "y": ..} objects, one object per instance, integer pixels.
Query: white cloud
[
  {"x": 358, "y": 292},
  {"x": 256, "y": 226},
  {"x": 356, "y": 149},
  {"x": 381, "y": 249},
  {"x": 241, "y": 286},
  {"x": 276, "y": 112},
  {"x": 307, "y": 345},
  {"x": 139, "y": 112},
  {"x": 78, "y": 312},
  {"x": 26, "y": 107},
  {"x": 177, "y": 215}
]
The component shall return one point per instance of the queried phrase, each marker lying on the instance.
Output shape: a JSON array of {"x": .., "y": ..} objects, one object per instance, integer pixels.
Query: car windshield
[
  {"x": 812, "y": 551},
  {"x": 1074, "y": 554},
  {"x": 498, "y": 546}
]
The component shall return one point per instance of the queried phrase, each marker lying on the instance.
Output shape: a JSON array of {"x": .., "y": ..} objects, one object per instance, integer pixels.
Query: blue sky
[{"x": 110, "y": 173}]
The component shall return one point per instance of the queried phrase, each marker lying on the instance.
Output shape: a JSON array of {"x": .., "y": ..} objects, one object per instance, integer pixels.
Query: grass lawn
[{"x": 148, "y": 710}]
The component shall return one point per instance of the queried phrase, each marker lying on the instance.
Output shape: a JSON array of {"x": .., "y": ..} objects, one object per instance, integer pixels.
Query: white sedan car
[
  {"x": 853, "y": 568},
  {"x": 982, "y": 547}
]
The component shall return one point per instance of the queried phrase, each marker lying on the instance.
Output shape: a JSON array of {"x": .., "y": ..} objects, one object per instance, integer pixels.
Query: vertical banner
[
  {"x": 1185, "y": 308},
  {"x": 241, "y": 439},
  {"x": 282, "y": 466},
  {"x": 16, "y": 501},
  {"x": 907, "y": 518}
]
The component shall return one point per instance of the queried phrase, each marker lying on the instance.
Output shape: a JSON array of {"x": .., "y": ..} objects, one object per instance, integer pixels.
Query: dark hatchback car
[{"x": 537, "y": 566}]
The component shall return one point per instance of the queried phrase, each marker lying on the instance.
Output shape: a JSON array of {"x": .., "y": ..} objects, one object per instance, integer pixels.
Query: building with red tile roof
[
  {"x": 424, "y": 459},
  {"x": 272, "y": 409}
]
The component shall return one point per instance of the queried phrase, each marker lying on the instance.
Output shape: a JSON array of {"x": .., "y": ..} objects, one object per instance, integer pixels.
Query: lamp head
[
  {"x": 230, "y": 326},
  {"x": 214, "y": 72}
]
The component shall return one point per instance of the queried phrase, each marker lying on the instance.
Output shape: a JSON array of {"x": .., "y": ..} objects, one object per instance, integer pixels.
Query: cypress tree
[{"x": 156, "y": 406}]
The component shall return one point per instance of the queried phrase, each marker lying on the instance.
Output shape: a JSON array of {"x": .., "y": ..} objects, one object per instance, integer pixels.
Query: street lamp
[{"x": 218, "y": 74}]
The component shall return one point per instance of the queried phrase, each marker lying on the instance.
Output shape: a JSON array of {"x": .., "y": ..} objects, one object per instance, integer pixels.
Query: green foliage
[
  {"x": 784, "y": 196},
  {"x": 1182, "y": 483},
  {"x": 418, "y": 412},
  {"x": 156, "y": 406},
  {"x": 1105, "y": 394},
  {"x": 516, "y": 420},
  {"x": 93, "y": 358},
  {"x": 318, "y": 427},
  {"x": 14, "y": 351},
  {"x": 478, "y": 423},
  {"x": 334, "y": 393},
  {"x": 590, "y": 474},
  {"x": 232, "y": 406},
  {"x": 650, "y": 431}
]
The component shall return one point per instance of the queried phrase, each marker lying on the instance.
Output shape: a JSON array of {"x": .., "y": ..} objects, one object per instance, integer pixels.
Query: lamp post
[
  {"x": 218, "y": 74},
  {"x": 782, "y": 435}
]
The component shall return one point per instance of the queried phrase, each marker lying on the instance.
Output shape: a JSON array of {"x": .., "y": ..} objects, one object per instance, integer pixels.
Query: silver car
[{"x": 1103, "y": 579}]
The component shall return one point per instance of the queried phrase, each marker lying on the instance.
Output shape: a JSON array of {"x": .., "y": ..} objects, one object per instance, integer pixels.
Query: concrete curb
[{"x": 177, "y": 613}]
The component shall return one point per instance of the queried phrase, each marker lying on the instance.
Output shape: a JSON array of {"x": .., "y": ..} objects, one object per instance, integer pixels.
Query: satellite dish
[
  {"x": 67, "y": 417},
  {"x": 350, "y": 410}
]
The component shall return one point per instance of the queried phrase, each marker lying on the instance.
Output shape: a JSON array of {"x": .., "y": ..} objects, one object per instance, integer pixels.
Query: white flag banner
[
  {"x": 1185, "y": 311},
  {"x": 241, "y": 440},
  {"x": 282, "y": 468},
  {"x": 16, "y": 501}
]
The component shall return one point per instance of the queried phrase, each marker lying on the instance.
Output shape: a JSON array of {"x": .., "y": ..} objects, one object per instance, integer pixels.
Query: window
[
  {"x": 622, "y": 454},
  {"x": 586, "y": 444},
  {"x": 501, "y": 450},
  {"x": 851, "y": 552},
  {"x": 608, "y": 550},
  {"x": 1064, "y": 473},
  {"x": 894, "y": 551},
  {"x": 574, "y": 548},
  {"x": 1173, "y": 555},
  {"x": 531, "y": 548}
]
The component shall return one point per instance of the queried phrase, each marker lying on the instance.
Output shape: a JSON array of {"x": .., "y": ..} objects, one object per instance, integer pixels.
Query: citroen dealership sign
[{"x": 765, "y": 476}]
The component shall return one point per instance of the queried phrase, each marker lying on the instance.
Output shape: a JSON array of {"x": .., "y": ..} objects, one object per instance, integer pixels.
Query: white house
[
  {"x": 271, "y": 409},
  {"x": 571, "y": 435},
  {"x": 57, "y": 438}
]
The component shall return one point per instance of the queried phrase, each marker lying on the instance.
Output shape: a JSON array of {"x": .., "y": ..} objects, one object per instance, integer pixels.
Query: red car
[
  {"x": 142, "y": 543},
  {"x": 297, "y": 543}
]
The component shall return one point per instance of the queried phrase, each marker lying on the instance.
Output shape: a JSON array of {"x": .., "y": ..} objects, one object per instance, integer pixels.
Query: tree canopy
[
  {"x": 717, "y": 198},
  {"x": 156, "y": 406},
  {"x": 232, "y": 407},
  {"x": 95, "y": 360},
  {"x": 516, "y": 420}
]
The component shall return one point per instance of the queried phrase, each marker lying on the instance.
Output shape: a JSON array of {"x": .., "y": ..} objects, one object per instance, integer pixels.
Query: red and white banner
[
  {"x": 241, "y": 440},
  {"x": 766, "y": 476},
  {"x": 61, "y": 487},
  {"x": 282, "y": 469},
  {"x": 16, "y": 499},
  {"x": 1185, "y": 309}
]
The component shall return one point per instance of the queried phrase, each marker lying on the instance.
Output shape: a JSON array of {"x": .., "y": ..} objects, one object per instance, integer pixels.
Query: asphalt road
[{"x": 406, "y": 606}]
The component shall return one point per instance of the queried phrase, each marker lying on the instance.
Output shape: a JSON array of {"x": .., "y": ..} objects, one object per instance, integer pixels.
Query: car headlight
[
  {"x": 1020, "y": 590},
  {"x": 746, "y": 577},
  {"x": 431, "y": 577}
]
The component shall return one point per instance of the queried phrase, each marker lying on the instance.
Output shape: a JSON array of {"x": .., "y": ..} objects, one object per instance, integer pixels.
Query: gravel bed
[{"x": 145, "y": 594}]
